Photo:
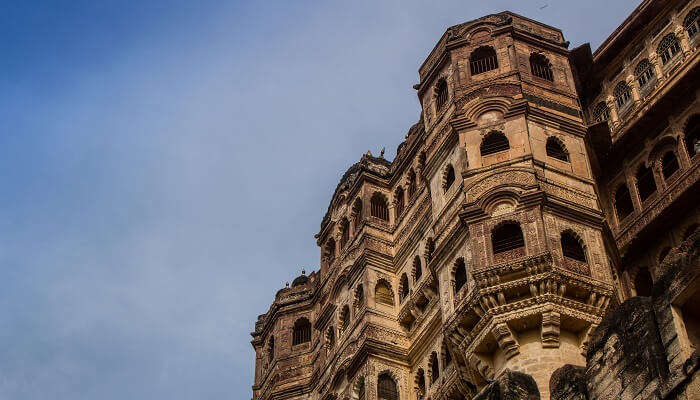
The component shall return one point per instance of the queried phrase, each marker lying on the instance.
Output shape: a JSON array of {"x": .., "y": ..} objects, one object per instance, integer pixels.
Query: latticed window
[
  {"x": 378, "y": 207},
  {"x": 669, "y": 164},
  {"x": 398, "y": 197},
  {"x": 691, "y": 22},
  {"x": 623, "y": 202},
  {"x": 302, "y": 331},
  {"x": 646, "y": 186},
  {"x": 460, "y": 274},
  {"x": 506, "y": 237},
  {"x": 383, "y": 294},
  {"x": 668, "y": 48},
  {"x": 622, "y": 94},
  {"x": 403, "y": 287},
  {"x": 692, "y": 135},
  {"x": 271, "y": 349},
  {"x": 386, "y": 388},
  {"x": 556, "y": 149},
  {"x": 441, "y": 94},
  {"x": 644, "y": 72},
  {"x": 357, "y": 214},
  {"x": 344, "y": 232},
  {"x": 483, "y": 59},
  {"x": 571, "y": 247},
  {"x": 449, "y": 177},
  {"x": 417, "y": 268},
  {"x": 494, "y": 142},
  {"x": 434, "y": 368},
  {"x": 540, "y": 67},
  {"x": 601, "y": 112}
]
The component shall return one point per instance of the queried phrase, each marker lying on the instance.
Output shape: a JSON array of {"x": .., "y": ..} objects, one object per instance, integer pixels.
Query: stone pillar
[
  {"x": 633, "y": 84},
  {"x": 612, "y": 108},
  {"x": 654, "y": 60}
]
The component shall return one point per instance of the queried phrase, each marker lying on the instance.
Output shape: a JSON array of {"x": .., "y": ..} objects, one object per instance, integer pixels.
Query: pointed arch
[
  {"x": 601, "y": 112},
  {"x": 448, "y": 177},
  {"x": 403, "y": 287},
  {"x": 359, "y": 298},
  {"x": 441, "y": 94},
  {"x": 302, "y": 331},
  {"x": 357, "y": 214},
  {"x": 383, "y": 293},
  {"x": 344, "y": 320},
  {"x": 669, "y": 164},
  {"x": 668, "y": 48},
  {"x": 329, "y": 251},
  {"x": 434, "y": 368},
  {"x": 386, "y": 387},
  {"x": 623, "y": 94},
  {"x": 399, "y": 201},
  {"x": 483, "y": 59},
  {"x": 541, "y": 67},
  {"x": 459, "y": 274},
  {"x": 344, "y": 232},
  {"x": 623, "y": 201},
  {"x": 419, "y": 382},
  {"x": 378, "y": 207},
  {"x": 646, "y": 185},
  {"x": 494, "y": 142},
  {"x": 417, "y": 269},
  {"x": 507, "y": 236},
  {"x": 429, "y": 249},
  {"x": 572, "y": 246},
  {"x": 446, "y": 356},
  {"x": 411, "y": 183},
  {"x": 556, "y": 149}
]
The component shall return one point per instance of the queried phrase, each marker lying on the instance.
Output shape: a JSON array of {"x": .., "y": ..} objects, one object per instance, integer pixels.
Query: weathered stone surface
[
  {"x": 568, "y": 383},
  {"x": 511, "y": 385}
]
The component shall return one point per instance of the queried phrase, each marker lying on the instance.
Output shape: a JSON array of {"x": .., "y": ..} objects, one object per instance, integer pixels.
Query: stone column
[
  {"x": 633, "y": 84},
  {"x": 654, "y": 60}
]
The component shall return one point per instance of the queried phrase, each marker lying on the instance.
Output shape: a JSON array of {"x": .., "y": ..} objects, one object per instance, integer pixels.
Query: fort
[{"x": 535, "y": 236}]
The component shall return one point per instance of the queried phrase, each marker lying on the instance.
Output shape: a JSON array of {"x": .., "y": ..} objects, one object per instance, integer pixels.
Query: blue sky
[{"x": 165, "y": 165}]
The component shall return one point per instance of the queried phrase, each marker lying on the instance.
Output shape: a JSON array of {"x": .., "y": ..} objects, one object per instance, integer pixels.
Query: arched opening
[
  {"x": 417, "y": 269},
  {"x": 540, "y": 67},
  {"x": 506, "y": 237},
  {"x": 411, "y": 183},
  {"x": 494, "y": 142},
  {"x": 383, "y": 293},
  {"x": 646, "y": 186},
  {"x": 434, "y": 368},
  {"x": 446, "y": 356},
  {"x": 668, "y": 48},
  {"x": 460, "y": 274},
  {"x": 344, "y": 319},
  {"x": 271, "y": 349},
  {"x": 429, "y": 249},
  {"x": 555, "y": 148},
  {"x": 344, "y": 232},
  {"x": 449, "y": 178},
  {"x": 643, "y": 282},
  {"x": 399, "y": 199},
  {"x": 669, "y": 164},
  {"x": 330, "y": 337},
  {"x": 403, "y": 287},
  {"x": 420, "y": 383},
  {"x": 572, "y": 247},
  {"x": 623, "y": 202},
  {"x": 329, "y": 251},
  {"x": 441, "y": 93},
  {"x": 302, "y": 331},
  {"x": 623, "y": 94},
  {"x": 692, "y": 135},
  {"x": 357, "y": 215},
  {"x": 386, "y": 387},
  {"x": 359, "y": 298},
  {"x": 691, "y": 22},
  {"x": 644, "y": 72},
  {"x": 601, "y": 112},
  {"x": 483, "y": 59},
  {"x": 378, "y": 207}
]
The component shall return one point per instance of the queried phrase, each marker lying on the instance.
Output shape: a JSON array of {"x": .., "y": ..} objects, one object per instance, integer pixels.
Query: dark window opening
[
  {"x": 555, "y": 149},
  {"x": 434, "y": 368},
  {"x": 572, "y": 248},
  {"x": 386, "y": 388},
  {"x": 441, "y": 94},
  {"x": 383, "y": 294},
  {"x": 692, "y": 135},
  {"x": 669, "y": 164},
  {"x": 460, "y": 275},
  {"x": 540, "y": 67},
  {"x": 643, "y": 282},
  {"x": 483, "y": 59},
  {"x": 507, "y": 237},
  {"x": 378, "y": 207},
  {"x": 403, "y": 287},
  {"x": 623, "y": 202},
  {"x": 449, "y": 177},
  {"x": 668, "y": 48},
  {"x": 399, "y": 201},
  {"x": 302, "y": 331},
  {"x": 417, "y": 269},
  {"x": 494, "y": 142},
  {"x": 645, "y": 182}
]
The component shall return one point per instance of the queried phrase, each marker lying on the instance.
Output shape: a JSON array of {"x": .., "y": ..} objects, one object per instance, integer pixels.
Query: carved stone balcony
[{"x": 418, "y": 302}]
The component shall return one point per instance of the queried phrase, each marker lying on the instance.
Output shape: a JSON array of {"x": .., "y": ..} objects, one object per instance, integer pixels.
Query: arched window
[
  {"x": 622, "y": 94},
  {"x": 417, "y": 269},
  {"x": 669, "y": 164},
  {"x": 411, "y": 183},
  {"x": 344, "y": 232},
  {"x": 494, "y": 142},
  {"x": 646, "y": 186},
  {"x": 689, "y": 231},
  {"x": 446, "y": 356},
  {"x": 420, "y": 382},
  {"x": 302, "y": 331},
  {"x": 691, "y": 22},
  {"x": 556, "y": 149},
  {"x": 378, "y": 207},
  {"x": 357, "y": 215},
  {"x": 403, "y": 287},
  {"x": 623, "y": 202},
  {"x": 506, "y": 237},
  {"x": 460, "y": 274},
  {"x": 440, "y": 93},
  {"x": 483, "y": 59},
  {"x": 644, "y": 72},
  {"x": 571, "y": 247},
  {"x": 434, "y": 368},
  {"x": 540, "y": 67},
  {"x": 668, "y": 48},
  {"x": 271, "y": 349},
  {"x": 663, "y": 253},
  {"x": 383, "y": 293},
  {"x": 601, "y": 112},
  {"x": 429, "y": 249},
  {"x": 692, "y": 135},
  {"x": 359, "y": 298},
  {"x": 330, "y": 337},
  {"x": 398, "y": 198},
  {"x": 344, "y": 319},
  {"x": 643, "y": 282},
  {"x": 449, "y": 178},
  {"x": 386, "y": 388},
  {"x": 329, "y": 251}
]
